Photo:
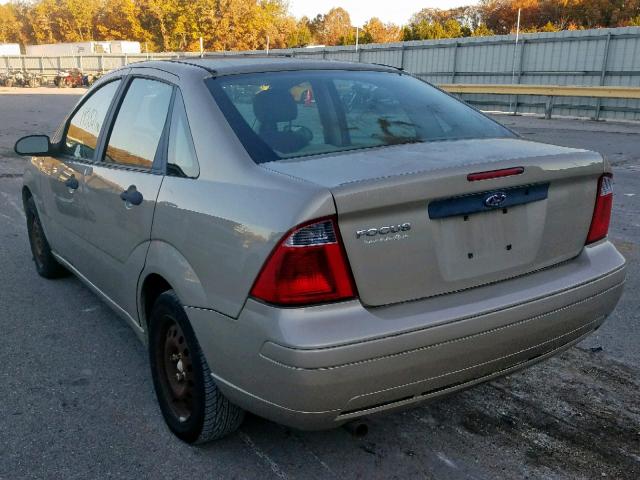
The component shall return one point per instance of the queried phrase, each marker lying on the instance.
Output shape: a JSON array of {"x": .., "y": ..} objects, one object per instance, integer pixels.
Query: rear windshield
[{"x": 281, "y": 115}]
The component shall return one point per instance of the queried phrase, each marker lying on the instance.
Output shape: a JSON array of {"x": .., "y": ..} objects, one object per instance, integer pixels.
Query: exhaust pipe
[{"x": 358, "y": 428}]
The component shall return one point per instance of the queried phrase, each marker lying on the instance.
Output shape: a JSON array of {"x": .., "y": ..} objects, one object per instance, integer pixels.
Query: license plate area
[{"x": 489, "y": 243}]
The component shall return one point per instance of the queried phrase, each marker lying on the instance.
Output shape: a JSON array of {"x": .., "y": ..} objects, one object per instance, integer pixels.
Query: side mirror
[{"x": 33, "y": 145}]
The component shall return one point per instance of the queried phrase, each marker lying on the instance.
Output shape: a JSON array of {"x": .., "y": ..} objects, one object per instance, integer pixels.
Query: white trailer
[
  {"x": 125, "y": 46},
  {"x": 9, "y": 49},
  {"x": 63, "y": 49}
]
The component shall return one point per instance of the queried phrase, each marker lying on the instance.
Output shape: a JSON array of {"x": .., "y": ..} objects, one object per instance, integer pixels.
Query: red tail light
[
  {"x": 308, "y": 266},
  {"x": 602, "y": 210}
]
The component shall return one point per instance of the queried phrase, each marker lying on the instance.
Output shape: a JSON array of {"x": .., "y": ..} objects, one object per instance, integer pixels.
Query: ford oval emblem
[{"x": 495, "y": 199}]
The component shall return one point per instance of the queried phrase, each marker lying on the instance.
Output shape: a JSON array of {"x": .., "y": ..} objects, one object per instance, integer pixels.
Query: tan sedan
[{"x": 368, "y": 245}]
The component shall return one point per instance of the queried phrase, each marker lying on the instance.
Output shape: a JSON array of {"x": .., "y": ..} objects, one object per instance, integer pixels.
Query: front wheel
[
  {"x": 46, "y": 265},
  {"x": 192, "y": 405}
]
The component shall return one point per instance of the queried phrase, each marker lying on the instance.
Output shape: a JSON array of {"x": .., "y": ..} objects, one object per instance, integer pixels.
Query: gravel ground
[{"x": 77, "y": 400}]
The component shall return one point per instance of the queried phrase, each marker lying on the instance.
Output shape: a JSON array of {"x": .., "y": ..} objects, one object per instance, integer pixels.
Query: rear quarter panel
[
  {"x": 211, "y": 238},
  {"x": 211, "y": 235}
]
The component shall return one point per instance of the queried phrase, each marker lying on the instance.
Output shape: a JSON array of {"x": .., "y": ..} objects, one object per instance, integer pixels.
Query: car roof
[{"x": 219, "y": 65}]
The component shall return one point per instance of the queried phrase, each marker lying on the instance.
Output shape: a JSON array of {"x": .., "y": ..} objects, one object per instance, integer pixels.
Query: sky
[{"x": 396, "y": 11}]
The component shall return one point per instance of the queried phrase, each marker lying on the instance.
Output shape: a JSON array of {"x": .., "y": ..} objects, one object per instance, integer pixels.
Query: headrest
[{"x": 274, "y": 105}]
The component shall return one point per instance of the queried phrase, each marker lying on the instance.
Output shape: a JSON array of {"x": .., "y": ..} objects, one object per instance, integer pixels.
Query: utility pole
[
  {"x": 515, "y": 49},
  {"x": 267, "y": 44},
  {"x": 357, "y": 37},
  {"x": 201, "y": 48}
]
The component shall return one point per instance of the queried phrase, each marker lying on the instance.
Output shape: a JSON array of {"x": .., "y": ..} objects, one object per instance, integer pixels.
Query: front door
[
  {"x": 121, "y": 190},
  {"x": 64, "y": 209}
]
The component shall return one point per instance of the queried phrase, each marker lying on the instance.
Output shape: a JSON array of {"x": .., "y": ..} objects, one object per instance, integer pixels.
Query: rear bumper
[{"x": 317, "y": 367}]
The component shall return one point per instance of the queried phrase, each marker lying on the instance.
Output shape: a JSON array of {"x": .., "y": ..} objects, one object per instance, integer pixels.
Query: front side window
[
  {"x": 280, "y": 115},
  {"x": 139, "y": 124},
  {"x": 84, "y": 127},
  {"x": 181, "y": 156}
]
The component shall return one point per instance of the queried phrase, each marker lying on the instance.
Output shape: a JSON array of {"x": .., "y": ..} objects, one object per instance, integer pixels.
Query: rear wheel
[
  {"x": 192, "y": 406},
  {"x": 46, "y": 265}
]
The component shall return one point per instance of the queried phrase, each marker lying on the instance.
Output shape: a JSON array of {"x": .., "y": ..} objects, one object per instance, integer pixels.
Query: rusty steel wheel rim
[{"x": 177, "y": 371}]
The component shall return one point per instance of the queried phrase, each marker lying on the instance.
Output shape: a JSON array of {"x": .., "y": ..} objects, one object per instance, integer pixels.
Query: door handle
[
  {"x": 131, "y": 196},
  {"x": 72, "y": 183}
]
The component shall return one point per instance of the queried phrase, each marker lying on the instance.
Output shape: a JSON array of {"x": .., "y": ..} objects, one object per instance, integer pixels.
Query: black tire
[
  {"x": 191, "y": 403},
  {"x": 46, "y": 264}
]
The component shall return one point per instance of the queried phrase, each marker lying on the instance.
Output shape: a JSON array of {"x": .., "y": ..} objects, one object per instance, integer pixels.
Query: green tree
[
  {"x": 10, "y": 25},
  {"x": 301, "y": 36},
  {"x": 374, "y": 31},
  {"x": 40, "y": 18},
  {"x": 482, "y": 31},
  {"x": 119, "y": 20},
  {"x": 158, "y": 17},
  {"x": 272, "y": 19},
  {"x": 550, "y": 27},
  {"x": 452, "y": 28},
  {"x": 334, "y": 27},
  {"x": 73, "y": 20},
  {"x": 426, "y": 30}
]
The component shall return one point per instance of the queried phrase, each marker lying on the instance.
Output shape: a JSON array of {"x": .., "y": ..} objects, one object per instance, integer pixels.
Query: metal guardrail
[
  {"x": 549, "y": 91},
  {"x": 546, "y": 90}
]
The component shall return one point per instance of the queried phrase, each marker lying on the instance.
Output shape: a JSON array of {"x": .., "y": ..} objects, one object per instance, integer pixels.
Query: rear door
[{"x": 122, "y": 189}]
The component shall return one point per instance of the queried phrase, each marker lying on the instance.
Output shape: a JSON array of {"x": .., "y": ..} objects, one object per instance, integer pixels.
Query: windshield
[{"x": 280, "y": 115}]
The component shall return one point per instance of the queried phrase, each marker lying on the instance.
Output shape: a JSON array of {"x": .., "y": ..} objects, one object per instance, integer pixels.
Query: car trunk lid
[{"x": 414, "y": 226}]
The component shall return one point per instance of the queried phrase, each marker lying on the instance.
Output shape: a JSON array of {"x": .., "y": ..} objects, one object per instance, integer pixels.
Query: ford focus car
[{"x": 317, "y": 241}]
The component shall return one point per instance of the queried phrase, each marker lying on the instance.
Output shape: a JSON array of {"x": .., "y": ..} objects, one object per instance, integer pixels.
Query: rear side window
[
  {"x": 181, "y": 156},
  {"x": 280, "y": 115},
  {"x": 84, "y": 127},
  {"x": 139, "y": 124}
]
